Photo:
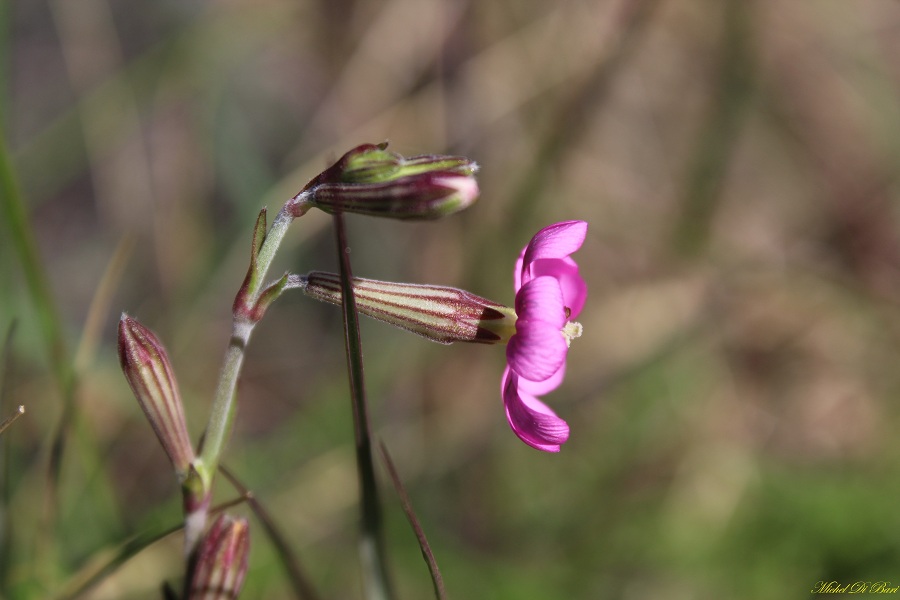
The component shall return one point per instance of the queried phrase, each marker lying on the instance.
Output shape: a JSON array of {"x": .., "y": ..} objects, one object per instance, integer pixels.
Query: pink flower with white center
[{"x": 549, "y": 292}]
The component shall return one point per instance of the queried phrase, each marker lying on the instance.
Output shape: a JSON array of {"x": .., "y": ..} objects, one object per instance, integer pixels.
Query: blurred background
[{"x": 732, "y": 402}]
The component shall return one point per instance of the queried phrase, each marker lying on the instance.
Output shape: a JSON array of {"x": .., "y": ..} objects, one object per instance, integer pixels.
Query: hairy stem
[{"x": 223, "y": 403}]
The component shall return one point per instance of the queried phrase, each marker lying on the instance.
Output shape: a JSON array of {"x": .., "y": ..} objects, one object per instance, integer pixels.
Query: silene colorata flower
[{"x": 550, "y": 293}]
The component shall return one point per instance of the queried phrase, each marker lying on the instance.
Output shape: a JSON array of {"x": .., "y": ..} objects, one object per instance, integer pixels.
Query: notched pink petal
[
  {"x": 555, "y": 241},
  {"x": 537, "y": 350},
  {"x": 532, "y": 420}
]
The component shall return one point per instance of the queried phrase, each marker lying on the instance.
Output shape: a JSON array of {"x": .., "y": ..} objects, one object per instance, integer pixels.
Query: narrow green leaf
[{"x": 436, "y": 579}]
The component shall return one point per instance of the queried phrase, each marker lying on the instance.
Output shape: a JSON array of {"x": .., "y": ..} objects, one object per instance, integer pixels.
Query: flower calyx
[
  {"x": 221, "y": 564},
  {"x": 146, "y": 366},
  {"x": 369, "y": 180},
  {"x": 439, "y": 313}
]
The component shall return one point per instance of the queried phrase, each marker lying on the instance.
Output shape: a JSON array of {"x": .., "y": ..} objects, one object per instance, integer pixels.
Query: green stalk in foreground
[{"x": 372, "y": 547}]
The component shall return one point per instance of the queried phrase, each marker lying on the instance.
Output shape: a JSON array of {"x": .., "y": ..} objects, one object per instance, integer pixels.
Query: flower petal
[
  {"x": 541, "y": 388},
  {"x": 538, "y": 347},
  {"x": 541, "y": 299},
  {"x": 519, "y": 271},
  {"x": 565, "y": 271},
  {"x": 555, "y": 241},
  {"x": 537, "y": 350},
  {"x": 532, "y": 420}
]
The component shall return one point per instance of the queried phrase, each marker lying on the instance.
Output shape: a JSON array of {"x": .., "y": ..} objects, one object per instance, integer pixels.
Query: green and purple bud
[
  {"x": 441, "y": 314},
  {"x": 370, "y": 180},
  {"x": 221, "y": 563},
  {"x": 146, "y": 366}
]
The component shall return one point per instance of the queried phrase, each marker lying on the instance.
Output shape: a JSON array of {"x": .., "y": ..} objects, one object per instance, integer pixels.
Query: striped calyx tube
[
  {"x": 439, "y": 313},
  {"x": 146, "y": 366},
  {"x": 221, "y": 565}
]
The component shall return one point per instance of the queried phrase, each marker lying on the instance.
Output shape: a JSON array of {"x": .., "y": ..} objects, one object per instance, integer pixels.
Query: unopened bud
[
  {"x": 441, "y": 314},
  {"x": 373, "y": 163},
  {"x": 370, "y": 180},
  {"x": 146, "y": 366},
  {"x": 221, "y": 563}
]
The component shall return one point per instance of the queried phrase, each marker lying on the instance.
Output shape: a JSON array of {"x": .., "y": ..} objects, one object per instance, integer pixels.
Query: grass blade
[{"x": 439, "y": 592}]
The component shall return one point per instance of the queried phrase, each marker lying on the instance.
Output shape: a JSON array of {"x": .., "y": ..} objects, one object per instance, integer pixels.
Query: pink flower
[{"x": 549, "y": 292}]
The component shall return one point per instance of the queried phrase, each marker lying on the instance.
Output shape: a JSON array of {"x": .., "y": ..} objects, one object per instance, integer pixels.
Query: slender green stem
[
  {"x": 372, "y": 546},
  {"x": 223, "y": 407},
  {"x": 436, "y": 579}
]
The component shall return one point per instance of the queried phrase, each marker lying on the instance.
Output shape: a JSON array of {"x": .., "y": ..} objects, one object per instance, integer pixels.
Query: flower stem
[
  {"x": 223, "y": 408},
  {"x": 222, "y": 412},
  {"x": 371, "y": 547}
]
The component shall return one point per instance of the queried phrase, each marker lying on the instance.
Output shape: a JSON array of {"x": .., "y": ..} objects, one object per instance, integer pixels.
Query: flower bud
[
  {"x": 370, "y": 180},
  {"x": 441, "y": 314},
  {"x": 372, "y": 163},
  {"x": 221, "y": 564},
  {"x": 146, "y": 366}
]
